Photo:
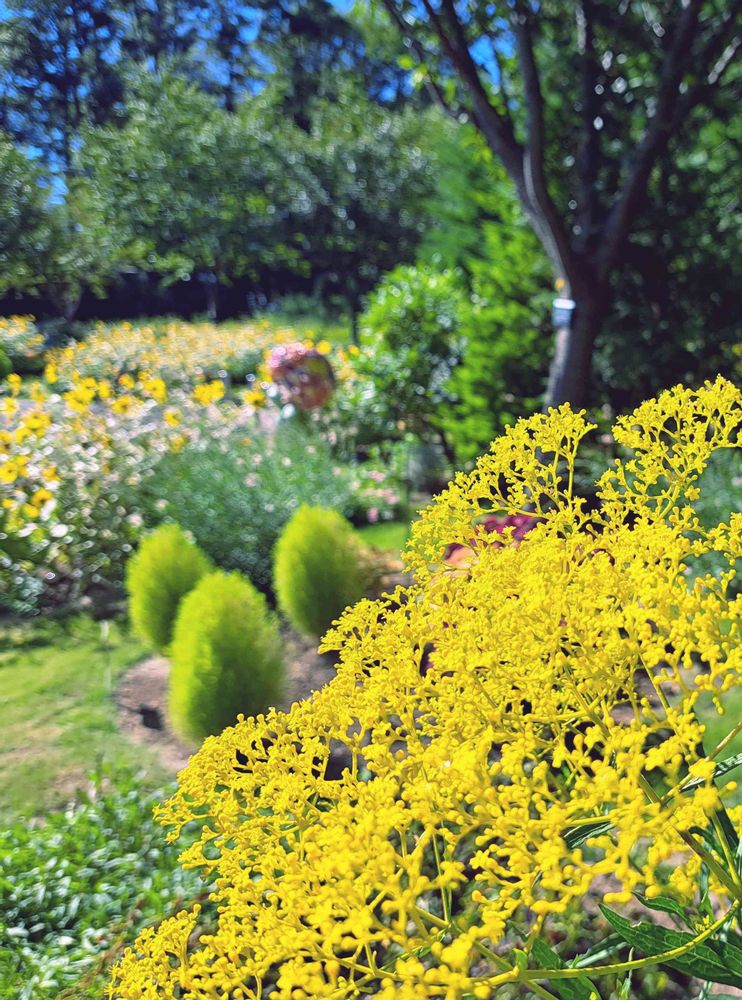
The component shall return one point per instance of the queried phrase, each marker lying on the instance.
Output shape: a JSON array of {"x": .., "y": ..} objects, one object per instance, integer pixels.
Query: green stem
[{"x": 637, "y": 963}]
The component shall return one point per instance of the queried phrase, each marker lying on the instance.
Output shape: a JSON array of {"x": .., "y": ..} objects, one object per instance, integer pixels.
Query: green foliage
[
  {"x": 320, "y": 568},
  {"x": 162, "y": 571},
  {"x": 185, "y": 187},
  {"x": 6, "y": 366},
  {"x": 226, "y": 654},
  {"x": 412, "y": 329},
  {"x": 379, "y": 209},
  {"x": 506, "y": 334},
  {"x": 23, "y": 219},
  {"x": 507, "y": 341},
  {"x": 84, "y": 881},
  {"x": 718, "y": 961},
  {"x": 235, "y": 495},
  {"x": 568, "y": 989}
]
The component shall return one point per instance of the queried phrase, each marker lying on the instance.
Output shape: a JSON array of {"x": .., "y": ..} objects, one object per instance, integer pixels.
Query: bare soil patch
[{"x": 141, "y": 697}]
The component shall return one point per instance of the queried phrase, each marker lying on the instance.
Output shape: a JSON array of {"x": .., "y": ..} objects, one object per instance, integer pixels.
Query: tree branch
[
  {"x": 556, "y": 240},
  {"x": 656, "y": 137},
  {"x": 716, "y": 58},
  {"x": 431, "y": 84},
  {"x": 589, "y": 155},
  {"x": 496, "y": 128}
]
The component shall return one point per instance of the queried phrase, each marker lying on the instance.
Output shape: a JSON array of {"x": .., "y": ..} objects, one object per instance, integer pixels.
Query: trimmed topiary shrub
[
  {"x": 160, "y": 573},
  {"x": 320, "y": 567},
  {"x": 226, "y": 656}
]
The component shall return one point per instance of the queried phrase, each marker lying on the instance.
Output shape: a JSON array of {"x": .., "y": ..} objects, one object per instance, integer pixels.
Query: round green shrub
[
  {"x": 226, "y": 656},
  {"x": 320, "y": 567},
  {"x": 161, "y": 572}
]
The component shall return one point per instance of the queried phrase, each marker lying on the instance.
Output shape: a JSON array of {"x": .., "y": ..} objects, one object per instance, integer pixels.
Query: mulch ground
[{"x": 141, "y": 697}]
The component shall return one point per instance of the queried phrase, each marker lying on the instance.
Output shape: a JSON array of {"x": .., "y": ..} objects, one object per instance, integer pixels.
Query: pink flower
[{"x": 372, "y": 514}]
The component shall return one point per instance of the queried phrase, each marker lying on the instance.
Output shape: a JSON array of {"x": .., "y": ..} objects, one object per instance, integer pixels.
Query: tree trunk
[{"x": 569, "y": 374}]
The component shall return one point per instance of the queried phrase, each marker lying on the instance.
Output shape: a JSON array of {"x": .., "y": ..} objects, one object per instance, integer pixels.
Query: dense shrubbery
[
  {"x": 528, "y": 727},
  {"x": 507, "y": 340},
  {"x": 165, "y": 567},
  {"x": 22, "y": 344},
  {"x": 83, "y": 882},
  {"x": 226, "y": 656},
  {"x": 235, "y": 495},
  {"x": 320, "y": 568},
  {"x": 412, "y": 332}
]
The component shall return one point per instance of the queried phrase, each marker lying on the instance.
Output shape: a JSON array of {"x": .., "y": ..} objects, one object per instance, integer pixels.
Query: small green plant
[
  {"x": 226, "y": 654},
  {"x": 320, "y": 568},
  {"x": 235, "y": 495},
  {"x": 165, "y": 568},
  {"x": 79, "y": 885}
]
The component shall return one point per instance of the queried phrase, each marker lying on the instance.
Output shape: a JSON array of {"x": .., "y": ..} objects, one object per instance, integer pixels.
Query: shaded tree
[
  {"x": 23, "y": 219},
  {"x": 372, "y": 175},
  {"x": 581, "y": 103},
  {"x": 187, "y": 190}
]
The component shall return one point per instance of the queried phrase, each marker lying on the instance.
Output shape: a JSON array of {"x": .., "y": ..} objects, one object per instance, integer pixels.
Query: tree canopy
[{"x": 582, "y": 103}]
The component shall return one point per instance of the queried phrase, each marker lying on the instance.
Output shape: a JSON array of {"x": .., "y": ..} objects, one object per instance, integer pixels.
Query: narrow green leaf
[
  {"x": 665, "y": 905},
  {"x": 720, "y": 962},
  {"x": 568, "y": 989},
  {"x": 607, "y": 948},
  {"x": 577, "y": 835}
]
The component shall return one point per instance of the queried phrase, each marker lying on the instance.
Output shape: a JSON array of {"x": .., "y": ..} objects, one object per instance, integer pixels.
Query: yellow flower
[
  {"x": 255, "y": 398},
  {"x": 41, "y": 496},
  {"x": 209, "y": 392},
  {"x": 123, "y": 404}
]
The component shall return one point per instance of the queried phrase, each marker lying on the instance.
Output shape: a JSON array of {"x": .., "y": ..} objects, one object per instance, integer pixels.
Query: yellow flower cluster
[
  {"x": 518, "y": 733},
  {"x": 89, "y": 425},
  {"x": 178, "y": 352}
]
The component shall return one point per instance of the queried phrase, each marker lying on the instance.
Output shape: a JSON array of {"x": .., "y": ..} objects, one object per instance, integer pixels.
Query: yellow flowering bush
[
  {"x": 520, "y": 731},
  {"x": 177, "y": 351},
  {"x": 74, "y": 472}
]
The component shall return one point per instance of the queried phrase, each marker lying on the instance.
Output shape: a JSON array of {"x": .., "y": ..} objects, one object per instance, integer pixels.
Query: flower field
[{"x": 89, "y": 452}]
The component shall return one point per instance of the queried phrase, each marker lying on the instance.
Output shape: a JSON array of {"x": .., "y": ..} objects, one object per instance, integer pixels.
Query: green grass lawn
[
  {"x": 57, "y": 679},
  {"x": 388, "y": 536}
]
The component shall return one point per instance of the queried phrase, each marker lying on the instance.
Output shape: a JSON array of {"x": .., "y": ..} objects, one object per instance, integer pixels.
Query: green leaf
[
  {"x": 607, "y": 948},
  {"x": 722, "y": 768},
  {"x": 577, "y": 835},
  {"x": 568, "y": 989},
  {"x": 665, "y": 905},
  {"x": 720, "y": 962}
]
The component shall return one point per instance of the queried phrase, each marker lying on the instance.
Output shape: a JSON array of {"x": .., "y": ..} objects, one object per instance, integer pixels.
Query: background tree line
[
  {"x": 237, "y": 153},
  {"x": 213, "y": 143}
]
